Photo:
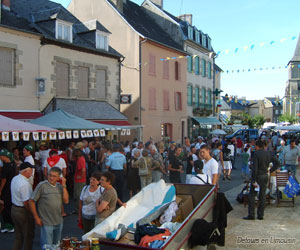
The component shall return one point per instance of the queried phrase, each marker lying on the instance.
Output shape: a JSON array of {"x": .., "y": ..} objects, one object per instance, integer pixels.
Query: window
[
  {"x": 178, "y": 101},
  {"x": 204, "y": 40},
  {"x": 209, "y": 43},
  {"x": 152, "y": 70},
  {"x": 166, "y": 100},
  {"x": 197, "y": 34},
  {"x": 83, "y": 82},
  {"x": 209, "y": 70},
  {"x": 197, "y": 65},
  {"x": 101, "y": 84},
  {"x": 190, "y": 64},
  {"x": 7, "y": 66},
  {"x": 203, "y": 95},
  {"x": 209, "y": 96},
  {"x": 152, "y": 99},
  {"x": 203, "y": 68},
  {"x": 101, "y": 41},
  {"x": 197, "y": 97},
  {"x": 190, "y": 32},
  {"x": 62, "y": 79},
  {"x": 177, "y": 71},
  {"x": 190, "y": 95},
  {"x": 165, "y": 69},
  {"x": 64, "y": 31}
]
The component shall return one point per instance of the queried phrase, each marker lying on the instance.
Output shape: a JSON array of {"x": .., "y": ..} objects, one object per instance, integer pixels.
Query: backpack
[
  {"x": 226, "y": 154},
  {"x": 216, "y": 154}
]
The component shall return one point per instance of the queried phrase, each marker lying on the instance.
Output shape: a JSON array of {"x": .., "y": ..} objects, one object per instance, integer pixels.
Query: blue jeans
[
  {"x": 245, "y": 169},
  {"x": 291, "y": 168},
  {"x": 51, "y": 235}
]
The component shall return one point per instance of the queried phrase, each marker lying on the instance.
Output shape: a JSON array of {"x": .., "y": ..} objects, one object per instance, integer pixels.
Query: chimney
[
  {"x": 6, "y": 4},
  {"x": 159, "y": 3},
  {"x": 119, "y": 4},
  {"x": 187, "y": 17}
]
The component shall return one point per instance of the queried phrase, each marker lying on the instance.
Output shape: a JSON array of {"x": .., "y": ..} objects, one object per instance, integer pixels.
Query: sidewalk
[{"x": 280, "y": 228}]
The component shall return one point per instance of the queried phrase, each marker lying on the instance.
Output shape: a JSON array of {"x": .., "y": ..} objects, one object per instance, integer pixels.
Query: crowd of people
[{"x": 97, "y": 174}]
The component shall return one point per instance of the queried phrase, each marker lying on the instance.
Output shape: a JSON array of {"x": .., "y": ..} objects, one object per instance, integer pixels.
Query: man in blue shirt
[{"x": 117, "y": 165}]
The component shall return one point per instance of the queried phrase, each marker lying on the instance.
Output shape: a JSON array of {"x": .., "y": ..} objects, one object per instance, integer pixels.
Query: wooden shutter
[
  {"x": 176, "y": 71},
  {"x": 166, "y": 100},
  {"x": 152, "y": 70},
  {"x": 178, "y": 102},
  {"x": 197, "y": 64},
  {"x": 83, "y": 82},
  {"x": 166, "y": 69},
  {"x": 190, "y": 64},
  {"x": 101, "y": 84},
  {"x": 6, "y": 66},
  {"x": 62, "y": 79},
  {"x": 152, "y": 98}
]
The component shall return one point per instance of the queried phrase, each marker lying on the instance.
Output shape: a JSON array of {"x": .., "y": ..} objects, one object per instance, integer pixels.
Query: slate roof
[
  {"x": 138, "y": 18},
  {"x": 233, "y": 105},
  {"x": 10, "y": 19},
  {"x": 42, "y": 14},
  {"x": 87, "y": 109},
  {"x": 90, "y": 26},
  {"x": 296, "y": 57}
]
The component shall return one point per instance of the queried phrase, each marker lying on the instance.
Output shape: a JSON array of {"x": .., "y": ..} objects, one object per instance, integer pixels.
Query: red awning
[
  {"x": 115, "y": 122},
  {"x": 22, "y": 115}
]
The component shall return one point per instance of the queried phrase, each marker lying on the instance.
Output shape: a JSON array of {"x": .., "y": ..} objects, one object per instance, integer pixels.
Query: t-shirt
[
  {"x": 8, "y": 173},
  {"x": 189, "y": 165},
  {"x": 116, "y": 161},
  {"x": 80, "y": 164},
  {"x": 89, "y": 199},
  {"x": 176, "y": 163},
  {"x": 49, "y": 201},
  {"x": 61, "y": 164},
  {"x": 210, "y": 167},
  {"x": 110, "y": 196},
  {"x": 245, "y": 158},
  {"x": 231, "y": 148},
  {"x": 21, "y": 190},
  {"x": 195, "y": 180},
  {"x": 226, "y": 154},
  {"x": 291, "y": 155},
  {"x": 42, "y": 156}
]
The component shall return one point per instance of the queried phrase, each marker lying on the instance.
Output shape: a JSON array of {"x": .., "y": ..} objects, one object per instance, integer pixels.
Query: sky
[{"x": 269, "y": 25}]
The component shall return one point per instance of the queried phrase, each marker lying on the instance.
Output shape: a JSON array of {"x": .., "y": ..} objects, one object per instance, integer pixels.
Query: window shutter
[
  {"x": 197, "y": 65},
  {"x": 197, "y": 97},
  {"x": 190, "y": 96},
  {"x": 6, "y": 66},
  {"x": 178, "y": 101},
  {"x": 62, "y": 79},
  {"x": 179, "y": 71},
  {"x": 152, "y": 70},
  {"x": 203, "y": 68},
  {"x": 83, "y": 82},
  {"x": 166, "y": 99},
  {"x": 176, "y": 71},
  {"x": 152, "y": 98},
  {"x": 101, "y": 84},
  {"x": 166, "y": 69},
  {"x": 190, "y": 64}
]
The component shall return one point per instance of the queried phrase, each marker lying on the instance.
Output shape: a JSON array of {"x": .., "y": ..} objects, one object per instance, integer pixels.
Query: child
[
  {"x": 227, "y": 162},
  {"x": 245, "y": 165}
]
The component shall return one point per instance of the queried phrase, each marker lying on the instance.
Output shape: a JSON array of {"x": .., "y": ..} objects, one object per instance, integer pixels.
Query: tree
[
  {"x": 259, "y": 120},
  {"x": 287, "y": 118}
]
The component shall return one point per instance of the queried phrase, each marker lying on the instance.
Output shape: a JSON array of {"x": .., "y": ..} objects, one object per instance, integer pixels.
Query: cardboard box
[{"x": 185, "y": 207}]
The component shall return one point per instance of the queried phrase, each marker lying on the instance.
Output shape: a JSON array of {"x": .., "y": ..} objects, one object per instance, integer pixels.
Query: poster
[
  {"x": 5, "y": 136},
  {"x": 69, "y": 134},
  {"x": 75, "y": 134},
  {"x": 61, "y": 135},
  {"x": 26, "y": 136},
  {"x": 15, "y": 136},
  {"x": 35, "y": 136}
]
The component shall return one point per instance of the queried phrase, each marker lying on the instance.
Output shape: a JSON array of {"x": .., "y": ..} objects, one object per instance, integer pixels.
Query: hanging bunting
[
  {"x": 26, "y": 136},
  {"x": 89, "y": 133},
  {"x": 82, "y": 133},
  {"x": 35, "y": 136},
  {"x": 75, "y": 134},
  {"x": 123, "y": 132},
  {"x": 15, "y": 136},
  {"x": 128, "y": 132},
  {"x": 44, "y": 136},
  {"x": 52, "y": 135},
  {"x": 5, "y": 136},
  {"x": 69, "y": 134},
  {"x": 61, "y": 135},
  {"x": 96, "y": 133},
  {"x": 102, "y": 132}
]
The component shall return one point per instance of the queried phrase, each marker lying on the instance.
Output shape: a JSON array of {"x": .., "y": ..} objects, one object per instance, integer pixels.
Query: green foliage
[{"x": 288, "y": 118}]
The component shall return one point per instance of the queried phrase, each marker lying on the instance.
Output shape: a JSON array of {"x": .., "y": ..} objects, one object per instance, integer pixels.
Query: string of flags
[
  {"x": 256, "y": 69},
  {"x": 61, "y": 135},
  {"x": 252, "y": 46}
]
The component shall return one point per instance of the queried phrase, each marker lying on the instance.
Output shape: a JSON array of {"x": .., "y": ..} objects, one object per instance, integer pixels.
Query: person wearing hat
[
  {"x": 200, "y": 178},
  {"x": 8, "y": 173},
  {"x": 28, "y": 158},
  {"x": 21, "y": 191}
]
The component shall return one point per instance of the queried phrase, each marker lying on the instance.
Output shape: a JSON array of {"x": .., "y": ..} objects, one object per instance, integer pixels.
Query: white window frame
[
  {"x": 98, "y": 42},
  {"x": 67, "y": 24}
]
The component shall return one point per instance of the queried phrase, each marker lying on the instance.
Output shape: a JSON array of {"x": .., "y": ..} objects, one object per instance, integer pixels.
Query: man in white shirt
[
  {"x": 28, "y": 158},
  {"x": 200, "y": 142},
  {"x": 21, "y": 191},
  {"x": 54, "y": 160},
  {"x": 210, "y": 164},
  {"x": 200, "y": 178},
  {"x": 40, "y": 158}
]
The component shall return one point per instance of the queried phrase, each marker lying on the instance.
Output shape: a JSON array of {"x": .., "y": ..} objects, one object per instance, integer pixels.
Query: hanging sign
[
  {"x": 5, "y": 136},
  {"x": 83, "y": 133},
  {"x": 75, "y": 134},
  {"x": 15, "y": 136},
  {"x": 44, "y": 136},
  {"x": 68, "y": 134},
  {"x": 123, "y": 132},
  {"x": 61, "y": 135},
  {"x": 52, "y": 136},
  {"x": 89, "y": 133},
  {"x": 128, "y": 132},
  {"x": 35, "y": 136},
  {"x": 96, "y": 133},
  {"x": 26, "y": 136},
  {"x": 102, "y": 132}
]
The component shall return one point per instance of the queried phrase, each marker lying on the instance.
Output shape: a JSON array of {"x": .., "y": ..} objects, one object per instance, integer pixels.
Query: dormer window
[
  {"x": 190, "y": 32},
  {"x": 208, "y": 43},
  {"x": 101, "y": 41},
  {"x": 197, "y": 36},
  {"x": 204, "y": 41},
  {"x": 64, "y": 31}
]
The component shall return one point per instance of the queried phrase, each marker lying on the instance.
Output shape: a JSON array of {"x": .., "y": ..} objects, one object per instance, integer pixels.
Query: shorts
[{"x": 227, "y": 165}]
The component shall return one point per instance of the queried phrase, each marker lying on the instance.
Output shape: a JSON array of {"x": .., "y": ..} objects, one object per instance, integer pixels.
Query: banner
[
  {"x": 102, "y": 132},
  {"x": 69, "y": 134},
  {"x": 35, "y": 136},
  {"x": 15, "y": 136},
  {"x": 89, "y": 133},
  {"x": 26, "y": 136},
  {"x": 83, "y": 133},
  {"x": 96, "y": 133},
  {"x": 44, "y": 136},
  {"x": 61, "y": 135},
  {"x": 75, "y": 134},
  {"x": 5, "y": 136},
  {"x": 52, "y": 136}
]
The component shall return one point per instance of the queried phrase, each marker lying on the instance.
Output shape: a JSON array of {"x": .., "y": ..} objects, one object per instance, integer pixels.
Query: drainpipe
[
  {"x": 214, "y": 87},
  {"x": 140, "y": 94},
  {"x": 119, "y": 101}
]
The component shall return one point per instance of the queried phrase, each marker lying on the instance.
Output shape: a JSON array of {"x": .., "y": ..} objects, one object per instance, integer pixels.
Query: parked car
[{"x": 244, "y": 133}]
